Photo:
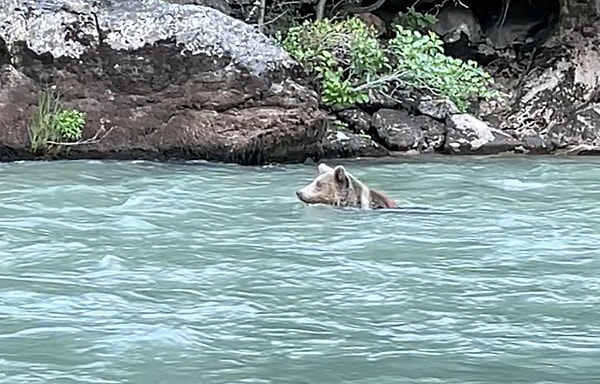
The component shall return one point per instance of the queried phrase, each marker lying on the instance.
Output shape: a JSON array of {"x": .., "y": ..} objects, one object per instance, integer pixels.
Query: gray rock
[
  {"x": 534, "y": 143},
  {"x": 221, "y": 5},
  {"x": 11, "y": 79},
  {"x": 195, "y": 29},
  {"x": 379, "y": 100},
  {"x": 347, "y": 144},
  {"x": 357, "y": 120},
  {"x": 579, "y": 150},
  {"x": 400, "y": 131},
  {"x": 434, "y": 132},
  {"x": 395, "y": 129},
  {"x": 584, "y": 130},
  {"x": 437, "y": 109},
  {"x": 456, "y": 21},
  {"x": 469, "y": 135},
  {"x": 399, "y": 99}
]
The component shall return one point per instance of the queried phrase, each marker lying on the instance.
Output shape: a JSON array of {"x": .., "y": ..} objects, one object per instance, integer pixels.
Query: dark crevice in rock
[
  {"x": 374, "y": 132},
  {"x": 4, "y": 55},
  {"x": 508, "y": 22},
  {"x": 484, "y": 30}
]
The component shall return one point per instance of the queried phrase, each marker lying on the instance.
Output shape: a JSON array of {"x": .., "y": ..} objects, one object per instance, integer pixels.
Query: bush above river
[{"x": 350, "y": 62}]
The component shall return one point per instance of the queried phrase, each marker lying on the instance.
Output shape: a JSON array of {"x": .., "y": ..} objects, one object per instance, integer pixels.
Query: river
[{"x": 135, "y": 272}]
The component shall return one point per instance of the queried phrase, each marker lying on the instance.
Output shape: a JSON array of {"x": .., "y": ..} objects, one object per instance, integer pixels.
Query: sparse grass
[{"x": 53, "y": 125}]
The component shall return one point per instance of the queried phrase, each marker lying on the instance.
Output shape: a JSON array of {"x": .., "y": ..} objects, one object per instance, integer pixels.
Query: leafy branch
[{"x": 350, "y": 62}]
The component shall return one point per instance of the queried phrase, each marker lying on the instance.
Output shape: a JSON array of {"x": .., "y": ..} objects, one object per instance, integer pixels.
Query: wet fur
[
  {"x": 337, "y": 187},
  {"x": 379, "y": 200}
]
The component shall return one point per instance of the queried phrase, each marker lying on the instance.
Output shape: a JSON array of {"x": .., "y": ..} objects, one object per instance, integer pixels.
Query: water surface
[{"x": 121, "y": 272}]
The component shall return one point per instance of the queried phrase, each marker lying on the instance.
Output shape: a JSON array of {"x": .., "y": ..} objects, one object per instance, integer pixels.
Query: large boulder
[
  {"x": 157, "y": 80},
  {"x": 467, "y": 135},
  {"x": 343, "y": 143},
  {"x": 401, "y": 131}
]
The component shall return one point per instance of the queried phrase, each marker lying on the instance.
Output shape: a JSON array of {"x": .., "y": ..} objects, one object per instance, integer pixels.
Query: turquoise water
[{"x": 143, "y": 273}]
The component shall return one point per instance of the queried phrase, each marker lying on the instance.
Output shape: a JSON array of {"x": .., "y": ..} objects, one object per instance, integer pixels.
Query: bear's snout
[{"x": 301, "y": 194}]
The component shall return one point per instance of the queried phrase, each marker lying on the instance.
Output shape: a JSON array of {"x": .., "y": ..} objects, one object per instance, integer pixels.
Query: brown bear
[{"x": 337, "y": 187}]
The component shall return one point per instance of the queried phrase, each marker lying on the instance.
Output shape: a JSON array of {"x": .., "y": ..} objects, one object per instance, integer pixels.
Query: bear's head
[{"x": 333, "y": 186}]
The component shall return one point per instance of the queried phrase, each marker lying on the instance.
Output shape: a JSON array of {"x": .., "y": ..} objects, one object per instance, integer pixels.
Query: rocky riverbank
[
  {"x": 156, "y": 81},
  {"x": 159, "y": 80},
  {"x": 545, "y": 61}
]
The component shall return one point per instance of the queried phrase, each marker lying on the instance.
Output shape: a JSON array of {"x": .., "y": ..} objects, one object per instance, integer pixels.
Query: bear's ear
[
  {"x": 339, "y": 175},
  {"x": 324, "y": 168}
]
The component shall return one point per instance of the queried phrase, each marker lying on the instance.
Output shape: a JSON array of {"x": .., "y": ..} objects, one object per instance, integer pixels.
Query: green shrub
[
  {"x": 69, "y": 124},
  {"x": 350, "y": 62},
  {"x": 343, "y": 54},
  {"x": 421, "y": 60},
  {"x": 416, "y": 21},
  {"x": 51, "y": 125}
]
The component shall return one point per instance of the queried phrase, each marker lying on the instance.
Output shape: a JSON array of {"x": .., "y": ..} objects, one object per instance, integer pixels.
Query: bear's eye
[{"x": 319, "y": 184}]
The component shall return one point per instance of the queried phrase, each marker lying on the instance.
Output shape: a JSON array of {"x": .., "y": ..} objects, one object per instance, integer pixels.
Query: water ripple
[{"x": 138, "y": 272}]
